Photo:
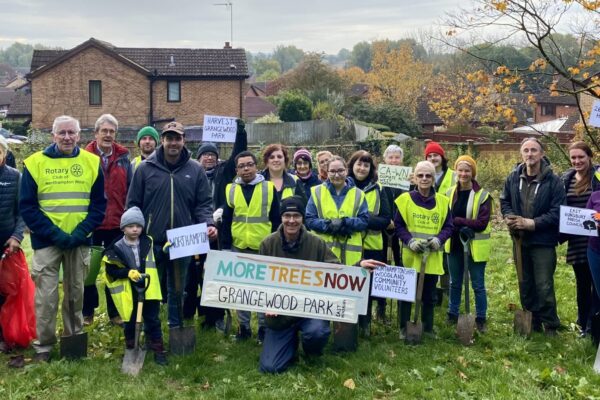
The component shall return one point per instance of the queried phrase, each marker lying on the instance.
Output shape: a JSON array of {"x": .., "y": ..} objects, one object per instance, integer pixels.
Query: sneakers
[
  {"x": 16, "y": 361},
  {"x": 118, "y": 321},
  {"x": 261, "y": 335},
  {"x": 481, "y": 325},
  {"x": 160, "y": 354},
  {"x": 88, "y": 320},
  {"x": 244, "y": 333},
  {"x": 42, "y": 357}
]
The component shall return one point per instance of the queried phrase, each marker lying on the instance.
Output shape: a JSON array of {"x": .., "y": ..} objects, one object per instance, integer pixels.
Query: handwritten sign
[
  {"x": 219, "y": 129},
  {"x": 577, "y": 221},
  {"x": 595, "y": 114},
  {"x": 395, "y": 283},
  {"x": 394, "y": 176},
  {"x": 187, "y": 241},
  {"x": 285, "y": 286}
]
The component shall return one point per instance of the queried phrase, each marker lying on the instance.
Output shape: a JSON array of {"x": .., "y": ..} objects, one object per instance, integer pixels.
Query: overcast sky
[{"x": 258, "y": 25}]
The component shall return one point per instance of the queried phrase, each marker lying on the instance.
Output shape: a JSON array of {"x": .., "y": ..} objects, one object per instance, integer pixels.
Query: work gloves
[
  {"x": 218, "y": 215},
  {"x": 60, "y": 238},
  {"x": 134, "y": 275},
  {"x": 417, "y": 245},
  {"x": 466, "y": 233},
  {"x": 434, "y": 243},
  {"x": 240, "y": 125},
  {"x": 334, "y": 226}
]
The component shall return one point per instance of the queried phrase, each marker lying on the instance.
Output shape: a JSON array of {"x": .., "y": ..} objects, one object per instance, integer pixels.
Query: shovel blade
[
  {"x": 465, "y": 329},
  {"x": 74, "y": 347},
  {"x": 182, "y": 340},
  {"x": 522, "y": 322},
  {"x": 597, "y": 362},
  {"x": 133, "y": 360},
  {"x": 414, "y": 332}
]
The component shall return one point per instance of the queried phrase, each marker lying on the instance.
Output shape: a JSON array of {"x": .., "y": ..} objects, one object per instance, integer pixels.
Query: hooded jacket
[
  {"x": 11, "y": 223},
  {"x": 116, "y": 180},
  {"x": 170, "y": 198},
  {"x": 541, "y": 200}
]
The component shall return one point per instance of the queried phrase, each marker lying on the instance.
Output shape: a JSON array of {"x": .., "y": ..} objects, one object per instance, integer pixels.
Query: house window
[
  {"x": 173, "y": 91},
  {"x": 95, "y": 93},
  {"x": 548, "y": 109}
]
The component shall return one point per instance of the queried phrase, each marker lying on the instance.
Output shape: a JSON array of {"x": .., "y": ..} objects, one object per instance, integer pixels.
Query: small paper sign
[
  {"x": 577, "y": 221},
  {"x": 595, "y": 114},
  {"x": 219, "y": 129},
  {"x": 188, "y": 241},
  {"x": 395, "y": 283},
  {"x": 394, "y": 176}
]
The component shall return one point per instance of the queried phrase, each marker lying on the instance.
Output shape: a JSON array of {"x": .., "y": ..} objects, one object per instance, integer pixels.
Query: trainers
[
  {"x": 17, "y": 361},
  {"x": 42, "y": 357},
  {"x": 481, "y": 325},
  {"x": 244, "y": 333},
  {"x": 261, "y": 335},
  {"x": 88, "y": 320},
  {"x": 118, "y": 321},
  {"x": 160, "y": 357}
]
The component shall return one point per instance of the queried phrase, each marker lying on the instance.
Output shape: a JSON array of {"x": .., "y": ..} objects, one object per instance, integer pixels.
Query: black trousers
[{"x": 191, "y": 301}]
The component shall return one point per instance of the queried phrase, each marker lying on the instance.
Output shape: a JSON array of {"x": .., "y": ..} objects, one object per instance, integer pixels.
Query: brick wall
[
  {"x": 212, "y": 97},
  {"x": 561, "y": 111},
  {"x": 64, "y": 90}
]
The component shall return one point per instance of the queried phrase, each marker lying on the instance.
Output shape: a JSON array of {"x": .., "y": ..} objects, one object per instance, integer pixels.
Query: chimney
[
  {"x": 227, "y": 45},
  {"x": 172, "y": 61}
]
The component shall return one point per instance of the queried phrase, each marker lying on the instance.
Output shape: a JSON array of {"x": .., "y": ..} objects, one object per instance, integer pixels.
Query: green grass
[{"x": 499, "y": 365}]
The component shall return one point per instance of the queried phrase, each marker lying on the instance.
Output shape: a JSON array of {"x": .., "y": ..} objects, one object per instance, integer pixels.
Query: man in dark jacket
[
  {"x": 61, "y": 219},
  {"x": 172, "y": 191},
  {"x": 116, "y": 167},
  {"x": 530, "y": 203}
]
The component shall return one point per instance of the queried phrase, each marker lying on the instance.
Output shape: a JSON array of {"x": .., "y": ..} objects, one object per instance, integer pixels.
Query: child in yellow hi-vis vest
[{"x": 125, "y": 261}]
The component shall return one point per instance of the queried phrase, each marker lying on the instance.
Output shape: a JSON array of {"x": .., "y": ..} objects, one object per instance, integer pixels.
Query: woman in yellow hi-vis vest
[
  {"x": 471, "y": 208},
  {"x": 423, "y": 222},
  {"x": 362, "y": 169},
  {"x": 337, "y": 211},
  {"x": 276, "y": 160}
]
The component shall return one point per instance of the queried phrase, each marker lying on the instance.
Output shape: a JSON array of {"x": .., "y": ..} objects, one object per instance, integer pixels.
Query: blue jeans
[
  {"x": 174, "y": 299},
  {"x": 477, "y": 274}
]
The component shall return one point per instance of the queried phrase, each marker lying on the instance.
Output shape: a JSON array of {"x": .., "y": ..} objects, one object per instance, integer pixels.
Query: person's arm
[
  {"x": 97, "y": 207},
  {"x": 401, "y": 230},
  {"x": 241, "y": 140},
  {"x": 299, "y": 191},
  {"x": 116, "y": 272},
  {"x": 226, "y": 239},
  {"x": 361, "y": 221},
  {"x": 551, "y": 218},
  {"x": 19, "y": 223},
  {"x": 483, "y": 218},
  {"x": 446, "y": 231},
  {"x": 135, "y": 193},
  {"x": 378, "y": 222},
  {"x": 30, "y": 210},
  {"x": 203, "y": 207},
  {"x": 506, "y": 199},
  {"x": 274, "y": 214},
  {"x": 313, "y": 222}
]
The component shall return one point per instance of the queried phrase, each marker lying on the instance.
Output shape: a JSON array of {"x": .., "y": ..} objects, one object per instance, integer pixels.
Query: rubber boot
[
  {"x": 129, "y": 343},
  {"x": 160, "y": 354},
  {"x": 427, "y": 317},
  {"x": 364, "y": 325}
]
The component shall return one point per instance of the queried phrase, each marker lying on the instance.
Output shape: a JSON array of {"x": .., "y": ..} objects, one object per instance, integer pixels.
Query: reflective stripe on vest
[
  {"x": 423, "y": 224},
  {"x": 373, "y": 240},
  {"x": 121, "y": 289},
  {"x": 480, "y": 245},
  {"x": 250, "y": 222},
  {"x": 64, "y": 186},
  {"x": 348, "y": 250}
]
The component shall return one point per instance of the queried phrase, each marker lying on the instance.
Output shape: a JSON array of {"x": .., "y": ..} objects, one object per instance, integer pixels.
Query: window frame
[
  {"x": 91, "y": 83},
  {"x": 169, "y": 99}
]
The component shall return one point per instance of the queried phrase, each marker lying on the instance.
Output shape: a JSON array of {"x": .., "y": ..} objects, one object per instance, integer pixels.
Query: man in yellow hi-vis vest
[
  {"x": 251, "y": 213},
  {"x": 147, "y": 139},
  {"x": 62, "y": 202}
]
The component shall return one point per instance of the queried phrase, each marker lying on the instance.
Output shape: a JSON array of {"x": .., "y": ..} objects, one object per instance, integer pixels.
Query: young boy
[{"x": 125, "y": 260}]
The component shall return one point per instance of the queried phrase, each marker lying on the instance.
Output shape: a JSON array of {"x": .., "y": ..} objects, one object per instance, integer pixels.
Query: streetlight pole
[{"x": 229, "y": 6}]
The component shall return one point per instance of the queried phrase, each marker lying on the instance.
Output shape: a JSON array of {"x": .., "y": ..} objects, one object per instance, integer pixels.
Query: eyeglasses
[
  {"x": 302, "y": 162},
  {"x": 209, "y": 155},
  {"x": 66, "y": 133},
  {"x": 290, "y": 216},
  {"x": 247, "y": 165},
  {"x": 424, "y": 176},
  {"x": 337, "y": 172}
]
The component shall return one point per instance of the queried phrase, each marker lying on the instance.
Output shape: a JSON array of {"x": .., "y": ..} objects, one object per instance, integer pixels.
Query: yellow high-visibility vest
[
  {"x": 348, "y": 250},
  {"x": 480, "y": 245},
  {"x": 250, "y": 224},
  {"x": 448, "y": 181},
  {"x": 64, "y": 186},
  {"x": 423, "y": 224},
  {"x": 136, "y": 162},
  {"x": 373, "y": 240}
]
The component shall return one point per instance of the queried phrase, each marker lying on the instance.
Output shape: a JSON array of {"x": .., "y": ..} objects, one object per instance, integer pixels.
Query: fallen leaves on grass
[
  {"x": 349, "y": 383},
  {"x": 462, "y": 375}
]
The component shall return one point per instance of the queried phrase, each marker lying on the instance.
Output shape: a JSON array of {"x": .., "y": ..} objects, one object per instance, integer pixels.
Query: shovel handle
[
  {"x": 466, "y": 251},
  {"x": 518, "y": 242},
  {"x": 420, "y": 285}
]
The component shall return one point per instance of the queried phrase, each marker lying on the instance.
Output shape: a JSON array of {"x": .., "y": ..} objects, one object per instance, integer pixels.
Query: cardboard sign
[
  {"x": 595, "y": 114},
  {"x": 285, "y": 286},
  {"x": 394, "y": 176},
  {"x": 577, "y": 221},
  {"x": 395, "y": 283},
  {"x": 188, "y": 241},
  {"x": 219, "y": 129}
]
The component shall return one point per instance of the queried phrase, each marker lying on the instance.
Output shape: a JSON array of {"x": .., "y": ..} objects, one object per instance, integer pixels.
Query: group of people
[{"x": 334, "y": 211}]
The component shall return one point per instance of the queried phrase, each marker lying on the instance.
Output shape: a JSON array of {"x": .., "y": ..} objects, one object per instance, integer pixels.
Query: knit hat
[
  {"x": 434, "y": 147},
  {"x": 469, "y": 160},
  {"x": 292, "y": 204},
  {"x": 4, "y": 143},
  {"x": 424, "y": 166},
  {"x": 132, "y": 216},
  {"x": 304, "y": 154},
  {"x": 207, "y": 148},
  {"x": 147, "y": 131}
]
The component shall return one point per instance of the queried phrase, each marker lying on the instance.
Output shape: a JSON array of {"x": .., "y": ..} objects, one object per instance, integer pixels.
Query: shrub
[
  {"x": 270, "y": 118},
  {"x": 294, "y": 106}
]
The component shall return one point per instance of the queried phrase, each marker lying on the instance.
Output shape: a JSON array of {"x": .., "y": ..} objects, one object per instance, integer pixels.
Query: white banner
[
  {"x": 595, "y": 114},
  {"x": 188, "y": 241},
  {"x": 395, "y": 283},
  {"x": 394, "y": 176},
  {"x": 285, "y": 286},
  {"x": 219, "y": 129},
  {"x": 577, "y": 221}
]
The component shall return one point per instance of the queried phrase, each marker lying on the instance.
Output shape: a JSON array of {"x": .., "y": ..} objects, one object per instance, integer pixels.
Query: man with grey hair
[
  {"x": 62, "y": 202},
  {"x": 116, "y": 167}
]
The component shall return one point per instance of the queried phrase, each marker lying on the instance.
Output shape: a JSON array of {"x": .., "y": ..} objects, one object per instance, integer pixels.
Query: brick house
[{"x": 139, "y": 86}]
